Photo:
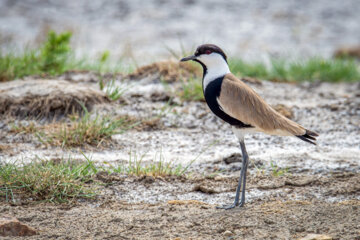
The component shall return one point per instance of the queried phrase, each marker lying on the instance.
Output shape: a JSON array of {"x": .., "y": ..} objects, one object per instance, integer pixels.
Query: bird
[{"x": 236, "y": 103}]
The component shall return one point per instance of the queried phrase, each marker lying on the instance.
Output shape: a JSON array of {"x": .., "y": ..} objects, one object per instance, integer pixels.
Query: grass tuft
[
  {"x": 62, "y": 181},
  {"x": 86, "y": 130},
  {"x": 23, "y": 128},
  {"x": 55, "y": 53},
  {"x": 276, "y": 171},
  {"x": 112, "y": 91},
  {"x": 44, "y": 180},
  {"x": 157, "y": 168}
]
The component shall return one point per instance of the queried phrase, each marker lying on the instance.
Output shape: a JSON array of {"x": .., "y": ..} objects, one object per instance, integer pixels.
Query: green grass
[
  {"x": 112, "y": 91},
  {"x": 44, "y": 180},
  {"x": 273, "y": 169},
  {"x": 276, "y": 171},
  {"x": 54, "y": 57},
  {"x": 312, "y": 69},
  {"x": 156, "y": 168},
  {"x": 62, "y": 181},
  {"x": 51, "y": 58},
  {"x": 191, "y": 90},
  {"x": 159, "y": 167},
  {"x": 102, "y": 64}
]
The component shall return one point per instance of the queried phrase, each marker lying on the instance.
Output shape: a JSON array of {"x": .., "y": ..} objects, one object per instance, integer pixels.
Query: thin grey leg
[
  {"x": 242, "y": 180},
  {"x": 244, "y": 165}
]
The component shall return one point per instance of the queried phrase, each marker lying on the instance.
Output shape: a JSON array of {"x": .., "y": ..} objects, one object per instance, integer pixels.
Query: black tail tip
[
  {"x": 309, "y": 137},
  {"x": 311, "y": 133}
]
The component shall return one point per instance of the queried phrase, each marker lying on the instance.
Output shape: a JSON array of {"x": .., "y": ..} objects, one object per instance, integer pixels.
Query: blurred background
[{"x": 150, "y": 30}]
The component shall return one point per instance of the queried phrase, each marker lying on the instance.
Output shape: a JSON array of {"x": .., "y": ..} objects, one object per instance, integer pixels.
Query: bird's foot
[
  {"x": 231, "y": 206},
  {"x": 226, "y": 207}
]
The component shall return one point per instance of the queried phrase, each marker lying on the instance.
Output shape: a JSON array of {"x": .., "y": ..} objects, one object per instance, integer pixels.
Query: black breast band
[{"x": 211, "y": 93}]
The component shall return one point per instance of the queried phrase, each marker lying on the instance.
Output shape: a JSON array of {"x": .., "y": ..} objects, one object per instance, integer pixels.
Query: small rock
[
  {"x": 334, "y": 107},
  {"x": 108, "y": 178},
  {"x": 316, "y": 237},
  {"x": 268, "y": 221},
  {"x": 147, "y": 179},
  {"x": 10, "y": 226},
  {"x": 235, "y": 157},
  {"x": 300, "y": 229},
  {"x": 159, "y": 97},
  {"x": 299, "y": 182},
  {"x": 118, "y": 220},
  {"x": 227, "y": 233},
  {"x": 203, "y": 189}
]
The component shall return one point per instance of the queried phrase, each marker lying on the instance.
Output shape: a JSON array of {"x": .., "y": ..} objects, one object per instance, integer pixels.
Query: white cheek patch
[{"x": 216, "y": 67}]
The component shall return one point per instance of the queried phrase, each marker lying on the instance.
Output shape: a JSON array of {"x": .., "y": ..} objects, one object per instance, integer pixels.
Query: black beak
[{"x": 192, "y": 57}]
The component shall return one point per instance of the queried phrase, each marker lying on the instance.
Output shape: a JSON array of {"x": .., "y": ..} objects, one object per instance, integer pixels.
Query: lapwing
[{"x": 230, "y": 99}]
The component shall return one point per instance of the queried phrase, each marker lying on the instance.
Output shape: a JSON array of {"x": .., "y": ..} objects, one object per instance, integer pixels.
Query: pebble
[
  {"x": 227, "y": 233},
  {"x": 10, "y": 226}
]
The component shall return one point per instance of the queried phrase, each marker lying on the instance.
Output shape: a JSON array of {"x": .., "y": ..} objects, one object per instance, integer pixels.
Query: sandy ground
[
  {"x": 189, "y": 131},
  {"x": 319, "y": 193}
]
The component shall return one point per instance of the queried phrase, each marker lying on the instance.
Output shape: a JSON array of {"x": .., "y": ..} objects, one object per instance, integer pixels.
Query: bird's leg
[
  {"x": 242, "y": 180},
  {"x": 244, "y": 166}
]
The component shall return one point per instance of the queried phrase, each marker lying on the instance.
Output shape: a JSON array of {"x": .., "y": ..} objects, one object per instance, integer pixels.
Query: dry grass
[
  {"x": 5, "y": 148},
  {"x": 23, "y": 128},
  {"x": 85, "y": 130},
  {"x": 46, "y": 99},
  {"x": 168, "y": 71},
  {"x": 145, "y": 124}
]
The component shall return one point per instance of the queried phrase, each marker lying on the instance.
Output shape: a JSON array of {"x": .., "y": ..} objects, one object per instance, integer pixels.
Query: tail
[{"x": 309, "y": 137}]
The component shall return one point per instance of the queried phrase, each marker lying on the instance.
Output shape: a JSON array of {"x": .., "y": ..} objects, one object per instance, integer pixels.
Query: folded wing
[{"x": 241, "y": 102}]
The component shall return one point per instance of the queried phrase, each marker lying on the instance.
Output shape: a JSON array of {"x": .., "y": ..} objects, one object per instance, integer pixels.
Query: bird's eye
[{"x": 208, "y": 52}]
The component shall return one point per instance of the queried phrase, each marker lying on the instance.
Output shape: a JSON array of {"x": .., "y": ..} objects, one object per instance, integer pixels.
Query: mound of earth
[
  {"x": 168, "y": 71},
  {"x": 344, "y": 52},
  {"x": 46, "y": 98}
]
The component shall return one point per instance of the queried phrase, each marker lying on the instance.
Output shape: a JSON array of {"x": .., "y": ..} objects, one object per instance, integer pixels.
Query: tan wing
[{"x": 241, "y": 102}]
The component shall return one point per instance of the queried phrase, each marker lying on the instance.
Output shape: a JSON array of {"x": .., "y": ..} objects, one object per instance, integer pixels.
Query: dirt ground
[
  {"x": 317, "y": 192},
  {"x": 274, "y": 217}
]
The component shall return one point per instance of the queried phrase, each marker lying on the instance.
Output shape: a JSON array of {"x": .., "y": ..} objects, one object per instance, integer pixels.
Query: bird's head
[{"x": 208, "y": 55}]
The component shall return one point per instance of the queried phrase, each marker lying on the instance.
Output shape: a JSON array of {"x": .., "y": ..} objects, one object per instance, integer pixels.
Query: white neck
[{"x": 216, "y": 67}]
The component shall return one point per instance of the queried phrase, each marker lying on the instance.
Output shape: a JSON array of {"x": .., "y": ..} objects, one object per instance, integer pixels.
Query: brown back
[{"x": 241, "y": 102}]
